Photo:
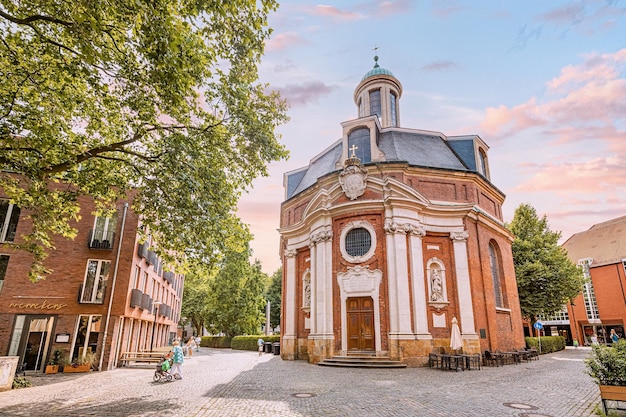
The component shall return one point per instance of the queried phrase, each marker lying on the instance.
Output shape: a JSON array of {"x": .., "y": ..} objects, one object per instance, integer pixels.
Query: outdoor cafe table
[{"x": 452, "y": 362}]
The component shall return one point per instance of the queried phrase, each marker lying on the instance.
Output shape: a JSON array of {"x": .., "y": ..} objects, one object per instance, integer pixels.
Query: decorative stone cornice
[
  {"x": 391, "y": 226},
  {"x": 459, "y": 236},
  {"x": 417, "y": 230},
  {"x": 322, "y": 235}
]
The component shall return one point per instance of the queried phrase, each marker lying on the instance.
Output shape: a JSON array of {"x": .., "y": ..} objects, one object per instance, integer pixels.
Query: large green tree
[
  {"x": 546, "y": 278},
  {"x": 196, "y": 297},
  {"x": 162, "y": 96},
  {"x": 274, "y": 296},
  {"x": 236, "y": 296}
]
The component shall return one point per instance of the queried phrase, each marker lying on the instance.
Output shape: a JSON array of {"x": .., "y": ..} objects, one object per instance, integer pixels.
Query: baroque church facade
[{"x": 388, "y": 236}]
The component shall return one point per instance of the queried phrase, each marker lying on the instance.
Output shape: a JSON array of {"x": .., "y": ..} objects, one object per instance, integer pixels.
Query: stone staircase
[{"x": 362, "y": 361}]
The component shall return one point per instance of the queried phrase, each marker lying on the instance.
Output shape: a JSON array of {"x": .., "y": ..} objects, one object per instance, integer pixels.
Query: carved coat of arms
[{"x": 353, "y": 180}]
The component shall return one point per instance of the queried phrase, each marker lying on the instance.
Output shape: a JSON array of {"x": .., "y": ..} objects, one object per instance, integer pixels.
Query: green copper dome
[{"x": 377, "y": 70}]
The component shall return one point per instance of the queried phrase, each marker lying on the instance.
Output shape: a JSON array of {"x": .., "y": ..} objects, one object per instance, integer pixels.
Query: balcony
[
  {"x": 169, "y": 277},
  {"x": 136, "y": 296},
  {"x": 142, "y": 250},
  {"x": 100, "y": 239},
  {"x": 146, "y": 302}
]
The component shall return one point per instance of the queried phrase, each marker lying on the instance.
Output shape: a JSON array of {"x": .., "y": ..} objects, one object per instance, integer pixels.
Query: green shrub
[
  {"x": 607, "y": 364},
  {"x": 250, "y": 342},
  {"x": 21, "y": 382},
  {"x": 215, "y": 341},
  {"x": 549, "y": 344}
]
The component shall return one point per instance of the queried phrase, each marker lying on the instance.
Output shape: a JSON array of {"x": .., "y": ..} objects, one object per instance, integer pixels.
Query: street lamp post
[{"x": 155, "y": 307}]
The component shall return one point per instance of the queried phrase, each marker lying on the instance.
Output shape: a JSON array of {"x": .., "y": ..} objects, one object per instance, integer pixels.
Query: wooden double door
[{"x": 360, "y": 312}]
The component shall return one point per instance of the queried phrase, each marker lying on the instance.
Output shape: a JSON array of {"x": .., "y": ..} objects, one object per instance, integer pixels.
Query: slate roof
[
  {"x": 605, "y": 243},
  {"x": 417, "y": 148}
]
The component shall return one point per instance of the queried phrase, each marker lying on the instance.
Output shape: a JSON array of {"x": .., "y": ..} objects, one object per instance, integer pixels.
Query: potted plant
[
  {"x": 607, "y": 366},
  {"x": 55, "y": 360},
  {"x": 82, "y": 363}
]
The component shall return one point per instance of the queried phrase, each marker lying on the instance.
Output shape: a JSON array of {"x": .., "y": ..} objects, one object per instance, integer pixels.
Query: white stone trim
[{"x": 359, "y": 281}]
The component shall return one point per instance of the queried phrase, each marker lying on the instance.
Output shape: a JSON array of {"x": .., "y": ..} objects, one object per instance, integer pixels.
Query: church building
[{"x": 389, "y": 236}]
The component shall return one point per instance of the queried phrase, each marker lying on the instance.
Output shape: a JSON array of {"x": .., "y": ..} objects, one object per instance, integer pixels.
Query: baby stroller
[{"x": 162, "y": 372}]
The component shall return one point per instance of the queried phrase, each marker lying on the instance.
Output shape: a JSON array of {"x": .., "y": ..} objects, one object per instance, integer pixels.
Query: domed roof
[{"x": 377, "y": 70}]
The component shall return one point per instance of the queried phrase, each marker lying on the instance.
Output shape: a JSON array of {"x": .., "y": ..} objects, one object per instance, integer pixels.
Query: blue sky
[{"x": 543, "y": 83}]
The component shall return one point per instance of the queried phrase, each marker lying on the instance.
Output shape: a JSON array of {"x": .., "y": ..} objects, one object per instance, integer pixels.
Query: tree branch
[{"x": 34, "y": 18}]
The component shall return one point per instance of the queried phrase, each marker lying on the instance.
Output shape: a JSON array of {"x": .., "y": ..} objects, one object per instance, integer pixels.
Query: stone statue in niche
[
  {"x": 436, "y": 286},
  {"x": 306, "y": 302}
]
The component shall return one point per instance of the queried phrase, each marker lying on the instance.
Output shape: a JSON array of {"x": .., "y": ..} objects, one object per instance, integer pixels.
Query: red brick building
[
  {"x": 601, "y": 251},
  {"x": 391, "y": 233},
  {"x": 107, "y": 293}
]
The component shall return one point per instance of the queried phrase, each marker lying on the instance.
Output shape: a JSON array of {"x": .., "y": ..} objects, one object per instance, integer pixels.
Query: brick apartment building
[
  {"x": 391, "y": 233},
  {"x": 107, "y": 293},
  {"x": 601, "y": 251}
]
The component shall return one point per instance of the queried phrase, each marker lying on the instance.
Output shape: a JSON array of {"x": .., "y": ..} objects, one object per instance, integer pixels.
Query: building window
[
  {"x": 359, "y": 142},
  {"x": 375, "y": 107},
  {"x": 95, "y": 282},
  {"x": 103, "y": 232},
  {"x": 358, "y": 241},
  {"x": 86, "y": 335},
  {"x": 496, "y": 276},
  {"x": 4, "y": 263},
  {"x": 9, "y": 216},
  {"x": 135, "y": 279},
  {"x": 589, "y": 295},
  {"x": 482, "y": 163},
  {"x": 361, "y": 110},
  {"x": 392, "y": 106}
]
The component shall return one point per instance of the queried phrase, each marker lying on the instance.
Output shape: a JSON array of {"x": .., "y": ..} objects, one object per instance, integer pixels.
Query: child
[{"x": 260, "y": 344}]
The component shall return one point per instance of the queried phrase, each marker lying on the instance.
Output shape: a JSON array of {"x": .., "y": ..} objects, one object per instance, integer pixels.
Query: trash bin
[
  {"x": 276, "y": 346},
  {"x": 268, "y": 347}
]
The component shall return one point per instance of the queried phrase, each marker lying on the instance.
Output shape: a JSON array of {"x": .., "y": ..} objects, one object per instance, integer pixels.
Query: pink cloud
[
  {"x": 301, "y": 94},
  {"x": 388, "y": 8},
  {"x": 587, "y": 96},
  {"x": 335, "y": 13},
  {"x": 565, "y": 14},
  {"x": 593, "y": 176},
  {"x": 441, "y": 65},
  {"x": 284, "y": 40}
]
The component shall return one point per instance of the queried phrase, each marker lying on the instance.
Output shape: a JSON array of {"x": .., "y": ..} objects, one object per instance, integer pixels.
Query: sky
[{"x": 543, "y": 83}]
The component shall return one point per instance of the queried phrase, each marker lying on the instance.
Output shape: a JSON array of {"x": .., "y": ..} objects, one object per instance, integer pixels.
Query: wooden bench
[{"x": 141, "y": 357}]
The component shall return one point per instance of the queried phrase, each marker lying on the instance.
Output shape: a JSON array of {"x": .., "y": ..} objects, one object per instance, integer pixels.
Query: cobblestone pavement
[{"x": 238, "y": 383}]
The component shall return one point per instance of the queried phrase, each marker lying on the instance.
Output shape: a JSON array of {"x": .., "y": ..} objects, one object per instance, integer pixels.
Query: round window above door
[{"x": 358, "y": 241}]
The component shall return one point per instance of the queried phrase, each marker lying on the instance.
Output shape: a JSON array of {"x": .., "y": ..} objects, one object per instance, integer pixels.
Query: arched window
[
  {"x": 361, "y": 139},
  {"x": 392, "y": 107},
  {"x": 497, "y": 277},
  {"x": 375, "y": 107},
  {"x": 482, "y": 163}
]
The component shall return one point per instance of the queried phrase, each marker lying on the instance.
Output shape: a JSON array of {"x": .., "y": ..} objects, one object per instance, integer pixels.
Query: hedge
[
  {"x": 549, "y": 344},
  {"x": 215, "y": 341},
  {"x": 250, "y": 342}
]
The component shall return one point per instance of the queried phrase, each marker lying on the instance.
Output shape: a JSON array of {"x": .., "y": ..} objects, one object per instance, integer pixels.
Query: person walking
[
  {"x": 260, "y": 343},
  {"x": 190, "y": 344},
  {"x": 614, "y": 336},
  {"x": 198, "y": 340},
  {"x": 178, "y": 358}
]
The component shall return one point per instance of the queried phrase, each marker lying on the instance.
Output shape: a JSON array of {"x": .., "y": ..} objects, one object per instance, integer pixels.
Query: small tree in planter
[
  {"x": 55, "y": 361},
  {"x": 607, "y": 366}
]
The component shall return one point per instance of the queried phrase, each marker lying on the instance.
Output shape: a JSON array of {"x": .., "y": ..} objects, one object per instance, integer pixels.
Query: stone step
[{"x": 354, "y": 361}]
